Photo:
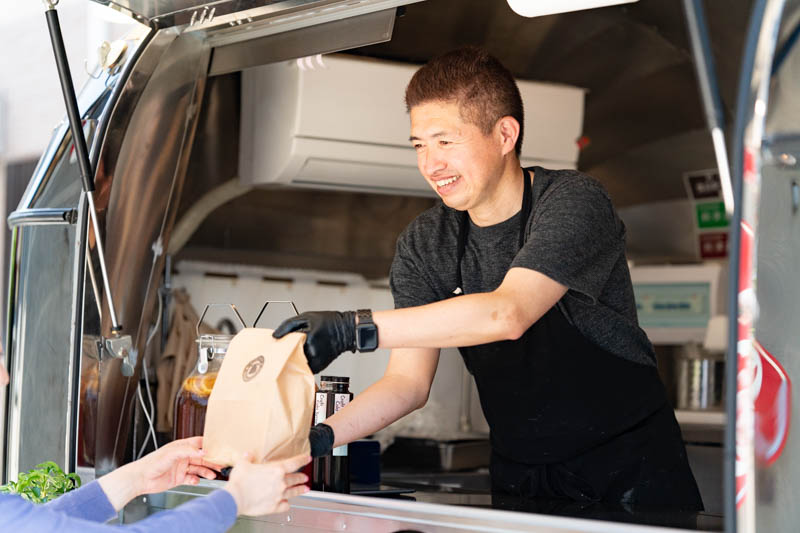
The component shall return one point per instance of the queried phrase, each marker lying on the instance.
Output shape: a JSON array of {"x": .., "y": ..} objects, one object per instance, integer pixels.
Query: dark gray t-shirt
[{"x": 573, "y": 236}]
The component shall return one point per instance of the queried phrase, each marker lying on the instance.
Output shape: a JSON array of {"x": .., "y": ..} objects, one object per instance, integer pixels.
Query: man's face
[{"x": 456, "y": 158}]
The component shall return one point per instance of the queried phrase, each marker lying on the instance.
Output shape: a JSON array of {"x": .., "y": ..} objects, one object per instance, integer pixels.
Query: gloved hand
[
  {"x": 328, "y": 334},
  {"x": 321, "y": 438}
]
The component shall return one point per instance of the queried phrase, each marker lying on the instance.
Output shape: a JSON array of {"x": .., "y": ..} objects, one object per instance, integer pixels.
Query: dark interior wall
[
  {"x": 215, "y": 151},
  {"x": 297, "y": 228}
]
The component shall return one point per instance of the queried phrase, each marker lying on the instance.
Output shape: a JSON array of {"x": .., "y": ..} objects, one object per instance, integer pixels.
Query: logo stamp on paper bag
[{"x": 253, "y": 368}]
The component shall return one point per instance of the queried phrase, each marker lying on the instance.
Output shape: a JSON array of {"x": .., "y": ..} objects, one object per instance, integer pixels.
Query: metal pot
[{"x": 700, "y": 379}]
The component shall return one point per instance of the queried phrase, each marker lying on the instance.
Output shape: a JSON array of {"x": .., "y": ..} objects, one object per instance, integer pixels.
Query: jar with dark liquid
[
  {"x": 87, "y": 410},
  {"x": 192, "y": 400},
  {"x": 331, "y": 473}
]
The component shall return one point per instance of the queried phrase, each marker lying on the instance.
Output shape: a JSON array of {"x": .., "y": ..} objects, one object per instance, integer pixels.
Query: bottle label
[
  {"x": 320, "y": 407},
  {"x": 340, "y": 451},
  {"x": 339, "y": 401}
]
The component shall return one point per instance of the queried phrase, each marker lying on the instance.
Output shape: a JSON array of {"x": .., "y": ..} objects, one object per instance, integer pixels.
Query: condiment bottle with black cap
[{"x": 331, "y": 473}]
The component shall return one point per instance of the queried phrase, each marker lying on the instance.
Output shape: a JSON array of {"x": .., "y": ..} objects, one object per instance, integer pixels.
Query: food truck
[{"x": 218, "y": 132}]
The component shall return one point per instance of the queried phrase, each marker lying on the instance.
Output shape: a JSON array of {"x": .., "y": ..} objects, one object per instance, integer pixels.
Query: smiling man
[{"x": 524, "y": 271}]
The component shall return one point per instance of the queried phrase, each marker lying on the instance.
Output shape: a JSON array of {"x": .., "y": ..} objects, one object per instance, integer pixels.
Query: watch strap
[{"x": 364, "y": 316}]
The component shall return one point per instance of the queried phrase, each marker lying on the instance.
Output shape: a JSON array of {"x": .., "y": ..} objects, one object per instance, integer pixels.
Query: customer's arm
[
  {"x": 177, "y": 463},
  {"x": 88, "y": 502},
  {"x": 211, "y": 514},
  {"x": 254, "y": 489}
]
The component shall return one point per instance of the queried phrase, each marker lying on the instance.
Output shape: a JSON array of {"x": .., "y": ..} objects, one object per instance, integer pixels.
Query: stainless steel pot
[{"x": 700, "y": 379}]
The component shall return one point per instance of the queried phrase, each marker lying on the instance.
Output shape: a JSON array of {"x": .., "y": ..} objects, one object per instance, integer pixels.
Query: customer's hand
[
  {"x": 176, "y": 463},
  {"x": 328, "y": 334},
  {"x": 260, "y": 489}
]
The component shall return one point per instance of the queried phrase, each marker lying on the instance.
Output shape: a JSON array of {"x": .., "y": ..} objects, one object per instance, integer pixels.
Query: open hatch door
[
  {"x": 248, "y": 33},
  {"x": 229, "y": 18}
]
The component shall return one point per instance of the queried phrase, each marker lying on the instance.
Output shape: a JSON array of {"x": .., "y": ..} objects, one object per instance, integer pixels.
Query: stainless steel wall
[
  {"x": 139, "y": 179},
  {"x": 143, "y": 120}
]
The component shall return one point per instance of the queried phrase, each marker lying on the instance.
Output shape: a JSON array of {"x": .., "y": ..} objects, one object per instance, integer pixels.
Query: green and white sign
[{"x": 711, "y": 215}]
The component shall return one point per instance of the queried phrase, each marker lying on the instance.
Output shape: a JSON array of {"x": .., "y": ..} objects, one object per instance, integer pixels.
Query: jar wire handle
[
  {"x": 236, "y": 312},
  {"x": 294, "y": 307}
]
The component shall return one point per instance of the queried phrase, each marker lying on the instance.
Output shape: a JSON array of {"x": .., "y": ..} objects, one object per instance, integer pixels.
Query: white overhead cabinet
[{"x": 340, "y": 123}]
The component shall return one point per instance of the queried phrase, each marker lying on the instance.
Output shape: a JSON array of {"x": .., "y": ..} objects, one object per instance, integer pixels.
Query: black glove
[
  {"x": 328, "y": 334},
  {"x": 321, "y": 439}
]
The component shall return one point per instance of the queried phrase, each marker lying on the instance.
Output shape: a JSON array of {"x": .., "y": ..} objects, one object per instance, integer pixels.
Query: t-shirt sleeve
[
  {"x": 409, "y": 284},
  {"x": 575, "y": 238}
]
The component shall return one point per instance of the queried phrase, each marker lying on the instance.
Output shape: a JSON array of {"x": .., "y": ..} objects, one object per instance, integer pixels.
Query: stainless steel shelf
[{"x": 716, "y": 419}]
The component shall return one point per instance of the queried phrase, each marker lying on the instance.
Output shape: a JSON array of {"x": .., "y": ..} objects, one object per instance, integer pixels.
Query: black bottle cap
[{"x": 335, "y": 379}]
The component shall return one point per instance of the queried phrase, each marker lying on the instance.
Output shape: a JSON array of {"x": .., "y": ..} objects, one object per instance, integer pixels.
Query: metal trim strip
[
  {"x": 43, "y": 216},
  {"x": 76, "y": 332}
]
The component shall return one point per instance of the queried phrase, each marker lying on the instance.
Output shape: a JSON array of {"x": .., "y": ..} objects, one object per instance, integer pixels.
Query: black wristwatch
[{"x": 366, "y": 332}]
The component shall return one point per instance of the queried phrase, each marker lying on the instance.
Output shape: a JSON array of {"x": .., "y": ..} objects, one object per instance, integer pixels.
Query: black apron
[{"x": 571, "y": 420}]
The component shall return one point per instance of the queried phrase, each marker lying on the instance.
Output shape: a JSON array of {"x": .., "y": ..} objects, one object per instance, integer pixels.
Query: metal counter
[{"x": 427, "y": 511}]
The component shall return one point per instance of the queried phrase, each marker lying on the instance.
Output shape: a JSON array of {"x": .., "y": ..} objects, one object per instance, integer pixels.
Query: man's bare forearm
[
  {"x": 403, "y": 388},
  {"x": 387, "y": 400},
  {"x": 472, "y": 319},
  {"x": 464, "y": 321}
]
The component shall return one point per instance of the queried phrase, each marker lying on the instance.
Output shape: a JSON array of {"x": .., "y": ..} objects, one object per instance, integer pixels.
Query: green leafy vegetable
[{"x": 44, "y": 483}]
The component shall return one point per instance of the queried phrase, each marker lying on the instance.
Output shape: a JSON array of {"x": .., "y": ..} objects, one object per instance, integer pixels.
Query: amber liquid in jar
[
  {"x": 87, "y": 413},
  {"x": 191, "y": 405}
]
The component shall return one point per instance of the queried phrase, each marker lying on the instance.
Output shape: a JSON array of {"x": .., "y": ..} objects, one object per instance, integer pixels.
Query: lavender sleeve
[
  {"x": 213, "y": 513},
  {"x": 88, "y": 502}
]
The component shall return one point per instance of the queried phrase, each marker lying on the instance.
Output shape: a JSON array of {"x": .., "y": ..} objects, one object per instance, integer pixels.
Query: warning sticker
[
  {"x": 704, "y": 185},
  {"x": 711, "y": 215},
  {"x": 713, "y": 245},
  {"x": 704, "y": 190}
]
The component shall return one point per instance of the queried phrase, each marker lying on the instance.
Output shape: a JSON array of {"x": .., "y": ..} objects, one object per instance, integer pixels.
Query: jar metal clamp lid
[{"x": 211, "y": 345}]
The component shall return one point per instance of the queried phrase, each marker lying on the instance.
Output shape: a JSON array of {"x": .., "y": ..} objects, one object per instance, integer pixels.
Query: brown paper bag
[{"x": 262, "y": 401}]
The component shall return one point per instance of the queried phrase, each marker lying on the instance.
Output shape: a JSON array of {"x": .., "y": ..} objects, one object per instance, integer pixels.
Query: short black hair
[{"x": 483, "y": 88}]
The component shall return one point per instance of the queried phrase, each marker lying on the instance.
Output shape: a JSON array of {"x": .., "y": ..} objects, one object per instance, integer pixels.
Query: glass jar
[
  {"x": 331, "y": 473},
  {"x": 87, "y": 408},
  {"x": 192, "y": 400}
]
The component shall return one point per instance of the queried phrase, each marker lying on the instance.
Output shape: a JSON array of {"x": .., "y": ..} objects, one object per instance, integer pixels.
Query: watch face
[{"x": 367, "y": 337}]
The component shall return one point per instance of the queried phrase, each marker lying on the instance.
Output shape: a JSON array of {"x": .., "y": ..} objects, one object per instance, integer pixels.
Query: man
[
  {"x": 253, "y": 489},
  {"x": 524, "y": 271}
]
